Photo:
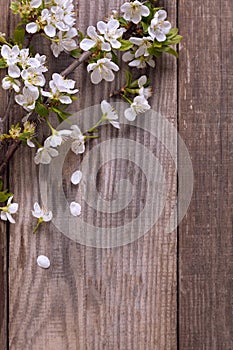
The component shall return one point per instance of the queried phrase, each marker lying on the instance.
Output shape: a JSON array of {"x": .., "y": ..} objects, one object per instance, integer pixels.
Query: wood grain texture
[
  {"x": 121, "y": 298},
  {"x": 4, "y": 27},
  {"x": 205, "y": 120}
]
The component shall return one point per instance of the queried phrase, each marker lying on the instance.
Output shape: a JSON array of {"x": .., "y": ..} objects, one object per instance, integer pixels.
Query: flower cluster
[
  {"x": 141, "y": 31},
  {"x": 54, "y": 18},
  {"x": 26, "y": 78}
]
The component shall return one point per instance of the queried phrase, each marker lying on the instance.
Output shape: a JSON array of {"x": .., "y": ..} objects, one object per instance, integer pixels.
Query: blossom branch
[{"x": 75, "y": 64}]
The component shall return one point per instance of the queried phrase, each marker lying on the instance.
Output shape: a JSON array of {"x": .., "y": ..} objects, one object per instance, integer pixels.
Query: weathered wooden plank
[
  {"x": 205, "y": 119},
  {"x": 120, "y": 298},
  {"x": 4, "y": 26}
]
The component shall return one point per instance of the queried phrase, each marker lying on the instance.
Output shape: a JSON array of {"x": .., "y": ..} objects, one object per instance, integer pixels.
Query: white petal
[
  {"x": 32, "y": 28},
  {"x": 160, "y": 36},
  {"x": 102, "y": 27},
  {"x": 105, "y": 107},
  {"x": 50, "y": 30},
  {"x": 145, "y": 11},
  {"x": 65, "y": 99},
  {"x": 77, "y": 147},
  {"x": 14, "y": 71},
  {"x": 108, "y": 75},
  {"x": 162, "y": 15},
  {"x": 87, "y": 44},
  {"x": 43, "y": 261},
  {"x": 115, "y": 124},
  {"x": 48, "y": 216},
  {"x": 13, "y": 208},
  {"x": 35, "y": 3},
  {"x": 9, "y": 217},
  {"x": 76, "y": 177},
  {"x": 96, "y": 77},
  {"x": 5, "y": 51},
  {"x": 75, "y": 208},
  {"x": 91, "y": 32},
  {"x": 3, "y": 216},
  {"x": 30, "y": 143},
  {"x": 130, "y": 114},
  {"x": 142, "y": 80}
]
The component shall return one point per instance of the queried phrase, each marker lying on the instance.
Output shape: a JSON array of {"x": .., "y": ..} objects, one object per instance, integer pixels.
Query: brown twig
[
  {"x": 9, "y": 154},
  {"x": 76, "y": 63}
]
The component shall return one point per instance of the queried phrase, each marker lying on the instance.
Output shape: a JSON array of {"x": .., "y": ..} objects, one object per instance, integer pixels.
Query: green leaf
[
  {"x": 125, "y": 45},
  {"x": 75, "y": 53},
  {"x": 41, "y": 109},
  {"x": 128, "y": 78},
  {"x": 19, "y": 35},
  {"x": 3, "y": 63},
  {"x": 173, "y": 32},
  {"x": 81, "y": 36},
  {"x": 4, "y": 195},
  {"x": 61, "y": 115},
  {"x": 171, "y": 51}
]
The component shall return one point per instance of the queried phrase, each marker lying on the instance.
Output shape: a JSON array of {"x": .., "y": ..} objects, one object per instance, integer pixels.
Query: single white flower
[
  {"x": 33, "y": 76},
  {"x": 143, "y": 45},
  {"x": 60, "y": 87},
  {"x": 140, "y": 105},
  {"x": 28, "y": 99},
  {"x": 45, "y": 154},
  {"x": 58, "y": 137},
  {"x": 8, "y": 210},
  {"x": 146, "y": 92},
  {"x": 110, "y": 114},
  {"x": 42, "y": 213},
  {"x": 94, "y": 40},
  {"x": 75, "y": 208},
  {"x": 10, "y": 83},
  {"x": 76, "y": 177},
  {"x": 142, "y": 61},
  {"x": 23, "y": 58},
  {"x": 35, "y": 3},
  {"x": 11, "y": 55},
  {"x": 78, "y": 145},
  {"x": 64, "y": 41},
  {"x": 102, "y": 69},
  {"x": 134, "y": 11},
  {"x": 159, "y": 27},
  {"x": 111, "y": 32}
]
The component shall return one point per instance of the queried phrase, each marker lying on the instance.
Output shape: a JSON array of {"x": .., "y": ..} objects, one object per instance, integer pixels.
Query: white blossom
[
  {"x": 102, "y": 69},
  {"x": 159, "y": 27},
  {"x": 8, "y": 210},
  {"x": 139, "y": 62},
  {"x": 28, "y": 99},
  {"x": 133, "y": 11},
  {"x": 11, "y": 55},
  {"x": 59, "y": 88},
  {"x": 111, "y": 32},
  {"x": 32, "y": 76},
  {"x": 64, "y": 41},
  {"x": 10, "y": 83},
  {"x": 140, "y": 105},
  {"x": 143, "y": 45},
  {"x": 45, "y": 154},
  {"x": 146, "y": 92},
  {"x": 94, "y": 40},
  {"x": 76, "y": 177},
  {"x": 110, "y": 114},
  {"x": 75, "y": 208},
  {"x": 58, "y": 137},
  {"x": 41, "y": 213},
  {"x": 78, "y": 145}
]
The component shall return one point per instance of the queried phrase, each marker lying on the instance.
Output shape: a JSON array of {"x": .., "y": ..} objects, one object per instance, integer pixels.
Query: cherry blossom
[
  {"x": 41, "y": 213},
  {"x": 45, "y": 154},
  {"x": 8, "y": 210},
  {"x": 140, "y": 105},
  {"x": 111, "y": 32},
  {"x": 159, "y": 27},
  {"x": 78, "y": 145},
  {"x": 110, "y": 114},
  {"x": 94, "y": 40},
  {"x": 102, "y": 69},
  {"x": 134, "y": 11},
  {"x": 28, "y": 99}
]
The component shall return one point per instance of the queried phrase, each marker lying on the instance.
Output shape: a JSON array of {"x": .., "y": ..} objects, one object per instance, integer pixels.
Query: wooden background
[{"x": 164, "y": 291}]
